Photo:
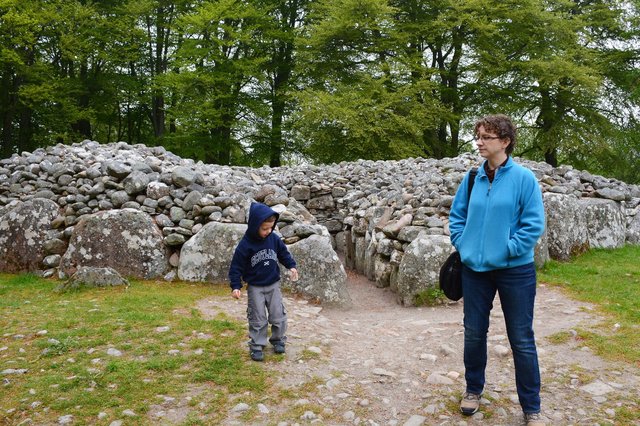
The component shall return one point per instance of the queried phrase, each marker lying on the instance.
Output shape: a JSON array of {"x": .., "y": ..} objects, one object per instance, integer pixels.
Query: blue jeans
[{"x": 516, "y": 288}]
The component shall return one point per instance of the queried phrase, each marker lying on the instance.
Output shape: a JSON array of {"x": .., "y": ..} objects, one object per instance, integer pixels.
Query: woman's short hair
[{"x": 501, "y": 125}]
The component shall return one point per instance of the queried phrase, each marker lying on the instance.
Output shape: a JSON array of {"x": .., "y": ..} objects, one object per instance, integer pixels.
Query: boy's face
[{"x": 265, "y": 229}]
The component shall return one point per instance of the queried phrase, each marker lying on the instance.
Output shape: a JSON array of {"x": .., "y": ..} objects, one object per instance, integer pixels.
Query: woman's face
[{"x": 489, "y": 144}]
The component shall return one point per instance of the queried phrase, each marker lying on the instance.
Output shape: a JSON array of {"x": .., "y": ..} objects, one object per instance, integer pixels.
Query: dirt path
[{"x": 379, "y": 363}]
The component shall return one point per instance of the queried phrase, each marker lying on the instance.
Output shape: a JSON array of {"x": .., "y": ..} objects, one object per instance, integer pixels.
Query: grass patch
[
  {"x": 609, "y": 279},
  {"x": 63, "y": 341},
  {"x": 430, "y": 297}
]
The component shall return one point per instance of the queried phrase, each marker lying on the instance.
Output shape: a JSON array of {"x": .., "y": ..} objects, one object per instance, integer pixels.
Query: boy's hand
[
  {"x": 293, "y": 274},
  {"x": 236, "y": 293}
]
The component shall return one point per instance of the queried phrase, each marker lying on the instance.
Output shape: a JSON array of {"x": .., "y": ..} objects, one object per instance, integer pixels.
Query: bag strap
[{"x": 472, "y": 180}]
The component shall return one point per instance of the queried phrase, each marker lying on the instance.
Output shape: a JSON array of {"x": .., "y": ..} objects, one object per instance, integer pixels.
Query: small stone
[
  {"x": 240, "y": 408},
  {"x": 314, "y": 349},
  {"x": 429, "y": 357},
  {"x": 501, "y": 351},
  {"x": 129, "y": 413},
  {"x": 113, "y": 352},
  {"x": 308, "y": 415},
  {"x": 383, "y": 372},
  {"x": 437, "y": 379},
  {"x": 14, "y": 371},
  {"x": 263, "y": 409},
  {"x": 65, "y": 420},
  {"x": 415, "y": 420},
  {"x": 163, "y": 329}
]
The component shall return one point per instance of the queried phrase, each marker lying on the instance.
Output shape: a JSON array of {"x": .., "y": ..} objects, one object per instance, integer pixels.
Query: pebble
[
  {"x": 14, "y": 371},
  {"x": 314, "y": 349},
  {"x": 240, "y": 408},
  {"x": 114, "y": 352},
  {"x": 415, "y": 420},
  {"x": 65, "y": 420}
]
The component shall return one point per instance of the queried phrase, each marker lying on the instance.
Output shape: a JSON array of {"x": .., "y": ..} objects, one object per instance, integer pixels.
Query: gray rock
[
  {"x": 23, "y": 231},
  {"x": 420, "y": 266},
  {"x": 321, "y": 274},
  {"x": 90, "y": 277},
  {"x": 126, "y": 240},
  {"x": 207, "y": 255}
]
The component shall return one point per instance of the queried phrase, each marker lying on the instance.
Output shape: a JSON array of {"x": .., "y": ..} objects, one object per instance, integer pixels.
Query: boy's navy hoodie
[{"x": 256, "y": 259}]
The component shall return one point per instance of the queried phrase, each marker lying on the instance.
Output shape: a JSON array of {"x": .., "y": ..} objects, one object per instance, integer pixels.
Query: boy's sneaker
[
  {"x": 534, "y": 419},
  {"x": 257, "y": 355},
  {"x": 279, "y": 348},
  {"x": 470, "y": 403}
]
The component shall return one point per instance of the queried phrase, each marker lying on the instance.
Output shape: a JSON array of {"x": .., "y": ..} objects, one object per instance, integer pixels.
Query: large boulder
[
  {"x": 420, "y": 266},
  {"x": 322, "y": 276},
  {"x": 566, "y": 226},
  {"x": 90, "y": 277},
  {"x": 541, "y": 250},
  {"x": 606, "y": 227},
  {"x": 23, "y": 231},
  {"x": 126, "y": 240},
  {"x": 207, "y": 255},
  {"x": 633, "y": 229}
]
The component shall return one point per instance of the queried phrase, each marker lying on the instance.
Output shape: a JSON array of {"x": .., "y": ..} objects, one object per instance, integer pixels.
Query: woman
[{"x": 495, "y": 231}]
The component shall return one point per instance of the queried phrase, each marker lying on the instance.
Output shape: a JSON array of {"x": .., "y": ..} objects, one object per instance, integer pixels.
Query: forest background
[{"x": 254, "y": 82}]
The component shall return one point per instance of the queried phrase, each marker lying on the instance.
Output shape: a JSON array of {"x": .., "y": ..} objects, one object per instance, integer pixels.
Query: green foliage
[
  {"x": 430, "y": 297},
  {"x": 362, "y": 121},
  {"x": 273, "y": 81}
]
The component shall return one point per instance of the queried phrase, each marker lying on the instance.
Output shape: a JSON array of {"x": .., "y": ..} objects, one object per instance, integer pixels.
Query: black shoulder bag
[{"x": 451, "y": 271}]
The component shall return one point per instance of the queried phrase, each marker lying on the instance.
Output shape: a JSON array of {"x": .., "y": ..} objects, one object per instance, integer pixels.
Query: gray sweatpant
[{"x": 265, "y": 307}]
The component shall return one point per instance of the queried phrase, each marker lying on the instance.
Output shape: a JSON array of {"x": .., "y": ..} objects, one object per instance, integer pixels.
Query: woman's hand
[{"x": 236, "y": 294}]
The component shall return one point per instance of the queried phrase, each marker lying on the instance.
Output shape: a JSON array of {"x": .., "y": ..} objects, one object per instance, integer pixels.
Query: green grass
[
  {"x": 70, "y": 372},
  {"x": 430, "y": 297},
  {"x": 610, "y": 279}
]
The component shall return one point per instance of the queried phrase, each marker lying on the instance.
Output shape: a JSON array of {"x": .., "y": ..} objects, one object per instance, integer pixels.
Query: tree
[
  {"x": 360, "y": 101},
  {"x": 216, "y": 65},
  {"x": 542, "y": 66}
]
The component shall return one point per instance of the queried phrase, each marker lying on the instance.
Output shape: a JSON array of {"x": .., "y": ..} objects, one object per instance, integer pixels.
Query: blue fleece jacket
[
  {"x": 499, "y": 227},
  {"x": 255, "y": 259}
]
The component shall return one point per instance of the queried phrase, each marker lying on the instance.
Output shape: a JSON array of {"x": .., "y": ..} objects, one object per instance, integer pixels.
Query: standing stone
[
  {"x": 126, "y": 240},
  {"x": 566, "y": 226},
  {"x": 606, "y": 227},
  {"x": 321, "y": 274},
  {"x": 420, "y": 266},
  {"x": 23, "y": 232},
  {"x": 207, "y": 255}
]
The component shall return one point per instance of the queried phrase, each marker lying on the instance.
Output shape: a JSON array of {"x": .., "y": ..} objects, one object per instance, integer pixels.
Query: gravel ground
[{"x": 379, "y": 363}]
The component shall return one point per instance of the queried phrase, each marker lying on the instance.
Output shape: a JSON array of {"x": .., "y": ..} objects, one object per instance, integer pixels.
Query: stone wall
[{"x": 389, "y": 219}]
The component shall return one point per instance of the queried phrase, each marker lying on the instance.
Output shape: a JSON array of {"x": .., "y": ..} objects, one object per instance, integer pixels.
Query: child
[{"x": 255, "y": 261}]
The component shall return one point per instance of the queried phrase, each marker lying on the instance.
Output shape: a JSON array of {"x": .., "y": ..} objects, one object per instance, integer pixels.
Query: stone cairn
[{"x": 147, "y": 213}]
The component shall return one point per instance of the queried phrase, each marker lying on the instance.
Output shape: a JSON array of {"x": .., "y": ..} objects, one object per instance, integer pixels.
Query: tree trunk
[
  {"x": 7, "y": 108},
  {"x": 82, "y": 126},
  {"x": 546, "y": 120},
  {"x": 25, "y": 131}
]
